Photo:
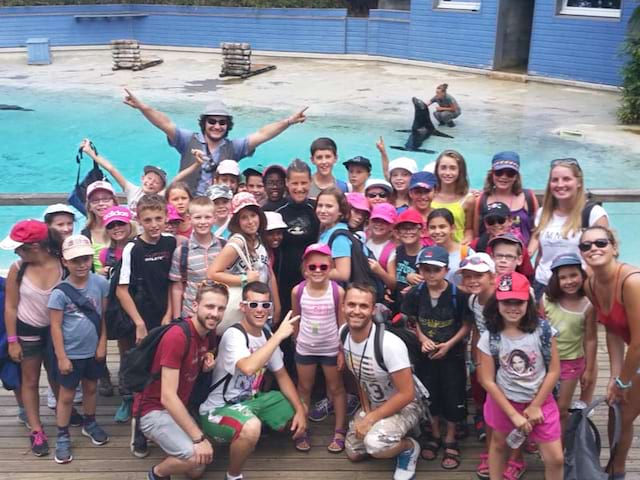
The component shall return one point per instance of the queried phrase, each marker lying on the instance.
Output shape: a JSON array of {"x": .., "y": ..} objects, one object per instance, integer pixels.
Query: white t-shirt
[
  {"x": 521, "y": 368},
  {"x": 133, "y": 193},
  {"x": 553, "y": 243},
  {"x": 377, "y": 249},
  {"x": 232, "y": 349},
  {"x": 362, "y": 363}
]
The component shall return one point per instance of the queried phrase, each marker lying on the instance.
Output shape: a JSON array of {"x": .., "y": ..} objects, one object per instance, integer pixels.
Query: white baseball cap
[
  {"x": 58, "y": 208},
  {"x": 228, "y": 167},
  {"x": 405, "y": 163}
]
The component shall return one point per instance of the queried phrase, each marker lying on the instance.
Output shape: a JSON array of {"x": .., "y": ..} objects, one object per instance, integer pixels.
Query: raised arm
[
  {"x": 157, "y": 119},
  {"x": 104, "y": 163},
  {"x": 384, "y": 158},
  {"x": 272, "y": 130},
  {"x": 182, "y": 174}
]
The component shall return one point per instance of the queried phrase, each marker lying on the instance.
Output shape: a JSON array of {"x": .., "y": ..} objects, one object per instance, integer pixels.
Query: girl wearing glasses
[
  {"x": 117, "y": 222},
  {"x": 504, "y": 184},
  {"x": 565, "y": 211},
  {"x": 100, "y": 197},
  {"x": 614, "y": 290},
  {"x": 316, "y": 299}
]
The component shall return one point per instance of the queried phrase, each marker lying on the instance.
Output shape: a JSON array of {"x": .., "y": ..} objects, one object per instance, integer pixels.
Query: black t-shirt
[
  {"x": 270, "y": 206},
  {"x": 405, "y": 264},
  {"x": 443, "y": 321},
  {"x": 145, "y": 268},
  {"x": 304, "y": 229}
]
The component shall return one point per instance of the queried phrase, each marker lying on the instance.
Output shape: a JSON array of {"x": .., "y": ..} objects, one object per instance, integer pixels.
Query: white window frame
[
  {"x": 589, "y": 12},
  {"x": 458, "y": 5}
]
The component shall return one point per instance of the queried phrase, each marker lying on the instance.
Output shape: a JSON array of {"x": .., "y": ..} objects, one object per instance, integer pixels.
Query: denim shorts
[{"x": 316, "y": 360}]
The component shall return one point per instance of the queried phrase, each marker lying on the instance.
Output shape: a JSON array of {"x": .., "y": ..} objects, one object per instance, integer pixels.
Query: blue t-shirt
[
  {"x": 181, "y": 143},
  {"x": 79, "y": 333},
  {"x": 341, "y": 245}
]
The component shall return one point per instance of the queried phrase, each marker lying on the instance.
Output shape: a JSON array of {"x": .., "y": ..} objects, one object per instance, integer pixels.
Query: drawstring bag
[
  {"x": 78, "y": 196},
  {"x": 582, "y": 444}
]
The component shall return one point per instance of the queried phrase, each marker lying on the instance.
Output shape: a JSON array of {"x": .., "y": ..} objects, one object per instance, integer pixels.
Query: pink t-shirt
[{"x": 318, "y": 334}]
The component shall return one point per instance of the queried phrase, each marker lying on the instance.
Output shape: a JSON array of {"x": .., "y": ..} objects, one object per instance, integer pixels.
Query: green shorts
[{"x": 225, "y": 423}]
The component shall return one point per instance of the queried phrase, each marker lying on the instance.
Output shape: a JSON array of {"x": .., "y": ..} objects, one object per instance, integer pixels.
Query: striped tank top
[{"x": 318, "y": 334}]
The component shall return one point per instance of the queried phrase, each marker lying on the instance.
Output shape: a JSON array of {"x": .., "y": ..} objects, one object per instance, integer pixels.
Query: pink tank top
[
  {"x": 318, "y": 334},
  {"x": 32, "y": 305}
]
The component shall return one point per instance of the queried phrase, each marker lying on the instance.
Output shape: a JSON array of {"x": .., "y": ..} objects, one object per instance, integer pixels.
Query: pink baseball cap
[
  {"x": 172, "y": 213},
  {"x": 386, "y": 212},
  {"x": 26, "y": 231},
  {"x": 242, "y": 200},
  {"x": 358, "y": 201},
  {"x": 321, "y": 248},
  {"x": 117, "y": 213},
  {"x": 100, "y": 185}
]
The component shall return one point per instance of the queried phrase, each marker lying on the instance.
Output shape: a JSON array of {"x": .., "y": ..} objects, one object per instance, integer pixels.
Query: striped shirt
[
  {"x": 318, "y": 333},
  {"x": 198, "y": 260}
]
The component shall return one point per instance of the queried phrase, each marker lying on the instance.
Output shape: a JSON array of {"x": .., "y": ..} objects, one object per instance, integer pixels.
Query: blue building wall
[{"x": 569, "y": 47}]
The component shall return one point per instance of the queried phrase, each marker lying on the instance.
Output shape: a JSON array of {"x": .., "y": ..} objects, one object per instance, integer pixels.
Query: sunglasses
[
  {"x": 254, "y": 305},
  {"x": 115, "y": 224},
  {"x": 223, "y": 122},
  {"x": 312, "y": 267},
  {"x": 491, "y": 221},
  {"x": 600, "y": 243},
  {"x": 505, "y": 172},
  {"x": 377, "y": 195},
  {"x": 512, "y": 302},
  {"x": 564, "y": 161}
]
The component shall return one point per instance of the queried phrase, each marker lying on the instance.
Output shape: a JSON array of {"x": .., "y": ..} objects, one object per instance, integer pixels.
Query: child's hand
[
  {"x": 253, "y": 276},
  {"x": 441, "y": 350},
  {"x": 198, "y": 155},
  {"x": 65, "y": 366},
  {"x": 375, "y": 266},
  {"x": 340, "y": 361},
  {"x": 85, "y": 145},
  {"x": 587, "y": 379},
  {"x": 414, "y": 278},
  {"x": 209, "y": 362},
  {"x": 101, "y": 352},
  {"x": 141, "y": 332},
  {"x": 380, "y": 145},
  {"x": 521, "y": 423},
  {"x": 534, "y": 415},
  {"x": 15, "y": 352},
  {"x": 428, "y": 345}
]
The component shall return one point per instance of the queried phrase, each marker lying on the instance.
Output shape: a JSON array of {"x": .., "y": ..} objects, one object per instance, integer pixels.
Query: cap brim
[
  {"x": 9, "y": 244},
  {"x": 505, "y": 166},
  {"x": 512, "y": 295},
  {"x": 435, "y": 263},
  {"x": 277, "y": 226},
  {"x": 481, "y": 268},
  {"x": 384, "y": 219},
  {"x": 80, "y": 251}
]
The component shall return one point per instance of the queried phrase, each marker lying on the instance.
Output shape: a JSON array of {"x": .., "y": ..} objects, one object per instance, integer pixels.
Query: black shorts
[
  {"x": 446, "y": 380},
  {"x": 316, "y": 360},
  {"x": 86, "y": 368}
]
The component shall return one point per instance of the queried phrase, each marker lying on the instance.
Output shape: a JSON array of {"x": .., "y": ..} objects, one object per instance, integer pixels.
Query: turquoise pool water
[{"x": 38, "y": 149}]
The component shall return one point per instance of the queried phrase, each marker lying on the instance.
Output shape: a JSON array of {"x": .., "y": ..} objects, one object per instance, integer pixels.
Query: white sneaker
[
  {"x": 406, "y": 462},
  {"x": 51, "y": 399},
  {"x": 77, "y": 398}
]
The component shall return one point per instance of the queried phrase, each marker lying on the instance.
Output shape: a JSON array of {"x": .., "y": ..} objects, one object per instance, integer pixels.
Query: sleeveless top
[
  {"x": 459, "y": 216},
  {"x": 570, "y": 327},
  {"x": 318, "y": 333},
  {"x": 615, "y": 320},
  {"x": 259, "y": 261}
]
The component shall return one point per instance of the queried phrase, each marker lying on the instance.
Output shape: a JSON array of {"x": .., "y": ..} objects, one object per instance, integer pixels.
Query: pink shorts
[
  {"x": 547, "y": 431},
  {"x": 572, "y": 369}
]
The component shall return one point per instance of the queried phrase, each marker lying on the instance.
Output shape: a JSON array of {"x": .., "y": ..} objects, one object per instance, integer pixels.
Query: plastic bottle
[{"x": 516, "y": 438}]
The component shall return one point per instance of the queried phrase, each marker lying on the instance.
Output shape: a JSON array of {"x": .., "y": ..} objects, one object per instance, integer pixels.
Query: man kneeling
[
  {"x": 235, "y": 409},
  {"x": 390, "y": 407}
]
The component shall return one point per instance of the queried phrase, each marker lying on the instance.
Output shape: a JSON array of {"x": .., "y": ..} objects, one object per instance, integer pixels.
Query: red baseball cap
[
  {"x": 25, "y": 231},
  {"x": 410, "y": 215},
  {"x": 512, "y": 286}
]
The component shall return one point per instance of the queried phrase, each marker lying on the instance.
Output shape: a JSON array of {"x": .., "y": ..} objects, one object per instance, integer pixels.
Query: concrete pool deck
[{"x": 358, "y": 88}]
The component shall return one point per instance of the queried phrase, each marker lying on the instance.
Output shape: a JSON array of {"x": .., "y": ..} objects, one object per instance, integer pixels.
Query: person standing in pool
[{"x": 215, "y": 124}]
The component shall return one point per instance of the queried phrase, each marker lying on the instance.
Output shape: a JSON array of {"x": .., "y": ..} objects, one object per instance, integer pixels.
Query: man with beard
[
  {"x": 215, "y": 124},
  {"x": 161, "y": 406}
]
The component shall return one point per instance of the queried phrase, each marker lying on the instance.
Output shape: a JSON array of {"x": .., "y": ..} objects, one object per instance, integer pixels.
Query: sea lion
[
  {"x": 15, "y": 107},
  {"x": 421, "y": 129}
]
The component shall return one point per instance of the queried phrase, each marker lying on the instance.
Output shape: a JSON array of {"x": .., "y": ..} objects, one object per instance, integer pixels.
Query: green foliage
[
  {"x": 195, "y": 3},
  {"x": 629, "y": 111}
]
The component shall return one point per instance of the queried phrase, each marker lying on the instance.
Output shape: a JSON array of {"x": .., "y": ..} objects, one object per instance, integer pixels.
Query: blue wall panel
[
  {"x": 578, "y": 48},
  {"x": 388, "y": 33},
  {"x": 357, "y": 35}
]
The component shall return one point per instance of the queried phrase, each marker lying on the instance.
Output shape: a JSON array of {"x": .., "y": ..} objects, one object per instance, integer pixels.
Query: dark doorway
[{"x": 513, "y": 35}]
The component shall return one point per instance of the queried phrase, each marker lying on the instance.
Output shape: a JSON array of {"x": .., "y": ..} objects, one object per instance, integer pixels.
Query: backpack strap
[
  {"x": 586, "y": 213},
  {"x": 184, "y": 260},
  {"x": 82, "y": 302},
  {"x": 377, "y": 346},
  {"x": 21, "y": 271},
  {"x": 545, "y": 338},
  {"x": 111, "y": 256},
  {"x": 336, "y": 295},
  {"x": 299, "y": 291},
  {"x": 386, "y": 253},
  {"x": 494, "y": 348},
  {"x": 529, "y": 198}
]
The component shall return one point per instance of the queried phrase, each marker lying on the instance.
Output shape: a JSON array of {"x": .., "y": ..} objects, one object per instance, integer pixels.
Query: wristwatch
[
  {"x": 199, "y": 440},
  {"x": 621, "y": 385}
]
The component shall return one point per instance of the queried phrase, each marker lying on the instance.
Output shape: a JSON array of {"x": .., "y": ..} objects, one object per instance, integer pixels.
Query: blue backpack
[{"x": 9, "y": 370}]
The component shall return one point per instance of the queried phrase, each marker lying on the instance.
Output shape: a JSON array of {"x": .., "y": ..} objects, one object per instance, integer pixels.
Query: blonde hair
[
  {"x": 549, "y": 203},
  {"x": 92, "y": 218}
]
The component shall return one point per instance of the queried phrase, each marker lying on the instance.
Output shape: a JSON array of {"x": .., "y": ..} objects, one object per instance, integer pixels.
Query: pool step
[{"x": 512, "y": 77}]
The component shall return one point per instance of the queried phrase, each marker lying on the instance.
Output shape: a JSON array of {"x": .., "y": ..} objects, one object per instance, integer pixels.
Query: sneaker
[
  {"x": 39, "y": 443},
  {"x": 321, "y": 410},
  {"x": 76, "y": 419},
  {"x": 63, "y": 449},
  {"x": 138, "y": 443},
  {"x": 51, "y": 399},
  {"x": 22, "y": 418},
  {"x": 406, "y": 462},
  {"x": 105, "y": 387},
  {"x": 95, "y": 432},
  {"x": 123, "y": 414},
  {"x": 153, "y": 476},
  {"x": 78, "y": 397},
  {"x": 353, "y": 404},
  {"x": 481, "y": 431}
]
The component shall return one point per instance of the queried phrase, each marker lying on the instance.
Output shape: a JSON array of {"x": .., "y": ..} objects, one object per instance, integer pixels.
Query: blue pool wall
[{"x": 567, "y": 47}]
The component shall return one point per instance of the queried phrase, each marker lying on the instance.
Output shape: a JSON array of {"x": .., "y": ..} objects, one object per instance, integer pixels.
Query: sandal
[
  {"x": 450, "y": 461},
  {"x": 482, "y": 470},
  {"x": 429, "y": 448},
  {"x": 303, "y": 443},
  {"x": 515, "y": 470},
  {"x": 337, "y": 442}
]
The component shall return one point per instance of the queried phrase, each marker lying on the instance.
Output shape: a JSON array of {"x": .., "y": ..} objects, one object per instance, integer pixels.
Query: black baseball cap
[
  {"x": 497, "y": 209},
  {"x": 358, "y": 160}
]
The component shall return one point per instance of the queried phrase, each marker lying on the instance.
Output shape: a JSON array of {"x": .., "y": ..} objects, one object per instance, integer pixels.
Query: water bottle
[{"x": 516, "y": 438}]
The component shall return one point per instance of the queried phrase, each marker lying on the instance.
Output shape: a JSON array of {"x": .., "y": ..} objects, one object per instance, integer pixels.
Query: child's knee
[
  {"x": 251, "y": 431},
  {"x": 89, "y": 387},
  {"x": 336, "y": 389},
  {"x": 197, "y": 471}
]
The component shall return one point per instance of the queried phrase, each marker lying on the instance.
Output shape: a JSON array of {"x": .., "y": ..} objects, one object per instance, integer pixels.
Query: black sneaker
[
  {"x": 153, "y": 476},
  {"x": 138, "y": 443},
  {"x": 105, "y": 387},
  {"x": 76, "y": 419}
]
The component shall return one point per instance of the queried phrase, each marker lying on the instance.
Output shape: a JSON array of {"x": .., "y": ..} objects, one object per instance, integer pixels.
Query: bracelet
[
  {"x": 243, "y": 280},
  {"x": 288, "y": 122},
  {"x": 199, "y": 440},
  {"x": 621, "y": 385},
  {"x": 12, "y": 339}
]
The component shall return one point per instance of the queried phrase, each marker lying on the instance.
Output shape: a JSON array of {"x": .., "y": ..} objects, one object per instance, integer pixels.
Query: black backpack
[
  {"x": 78, "y": 196},
  {"x": 360, "y": 270},
  {"x": 586, "y": 212}
]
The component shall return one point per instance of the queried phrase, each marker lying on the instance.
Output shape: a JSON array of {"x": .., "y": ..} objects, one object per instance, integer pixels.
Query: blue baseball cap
[
  {"x": 565, "y": 260},
  {"x": 423, "y": 180},
  {"x": 506, "y": 160},
  {"x": 437, "y": 256}
]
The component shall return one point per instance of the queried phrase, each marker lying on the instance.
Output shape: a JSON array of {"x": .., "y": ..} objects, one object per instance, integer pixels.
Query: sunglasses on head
[
  {"x": 254, "y": 305},
  {"x": 505, "y": 172},
  {"x": 312, "y": 267},
  {"x": 115, "y": 224},
  {"x": 377, "y": 194},
  {"x": 491, "y": 221},
  {"x": 472, "y": 261},
  {"x": 217, "y": 121},
  {"x": 213, "y": 283},
  {"x": 600, "y": 243},
  {"x": 564, "y": 161}
]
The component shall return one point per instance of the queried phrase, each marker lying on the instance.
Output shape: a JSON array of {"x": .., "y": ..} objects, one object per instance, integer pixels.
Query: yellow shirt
[{"x": 459, "y": 216}]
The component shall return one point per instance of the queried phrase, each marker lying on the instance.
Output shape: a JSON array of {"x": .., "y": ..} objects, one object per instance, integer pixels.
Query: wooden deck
[{"x": 274, "y": 459}]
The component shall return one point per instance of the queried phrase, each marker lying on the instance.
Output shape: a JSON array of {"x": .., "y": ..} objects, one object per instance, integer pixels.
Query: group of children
[{"x": 454, "y": 264}]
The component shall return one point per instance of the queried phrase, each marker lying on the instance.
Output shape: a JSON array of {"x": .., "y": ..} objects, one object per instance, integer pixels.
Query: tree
[{"x": 629, "y": 112}]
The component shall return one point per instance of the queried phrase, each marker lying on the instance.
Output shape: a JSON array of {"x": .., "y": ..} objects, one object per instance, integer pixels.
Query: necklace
[{"x": 364, "y": 350}]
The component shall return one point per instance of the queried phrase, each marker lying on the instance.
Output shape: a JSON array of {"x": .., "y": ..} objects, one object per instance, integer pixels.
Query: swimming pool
[{"x": 39, "y": 147}]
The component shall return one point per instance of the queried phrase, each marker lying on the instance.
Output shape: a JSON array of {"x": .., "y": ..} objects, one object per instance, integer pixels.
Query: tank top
[
  {"x": 459, "y": 216},
  {"x": 615, "y": 320},
  {"x": 570, "y": 326},
  {"x": 259, "y": 261},
  {"x": 318, "y": 333},
  {"x": 32, "y": 305}
]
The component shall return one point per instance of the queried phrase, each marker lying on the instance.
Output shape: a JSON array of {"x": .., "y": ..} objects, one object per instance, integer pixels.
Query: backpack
[
  {"x": 385, "y": 254},
  {"x": 135, "y": 367},
  {"x": 83, "y": 304},
  {"x": 582, "y": 444},
  {"x": 334, "y": 290},
  {"x": 586, "y": 212},
  {"x": 78, "y": 196},
  {"x": 360, "y": 269},
  {"x": 9, "y": 370}
]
